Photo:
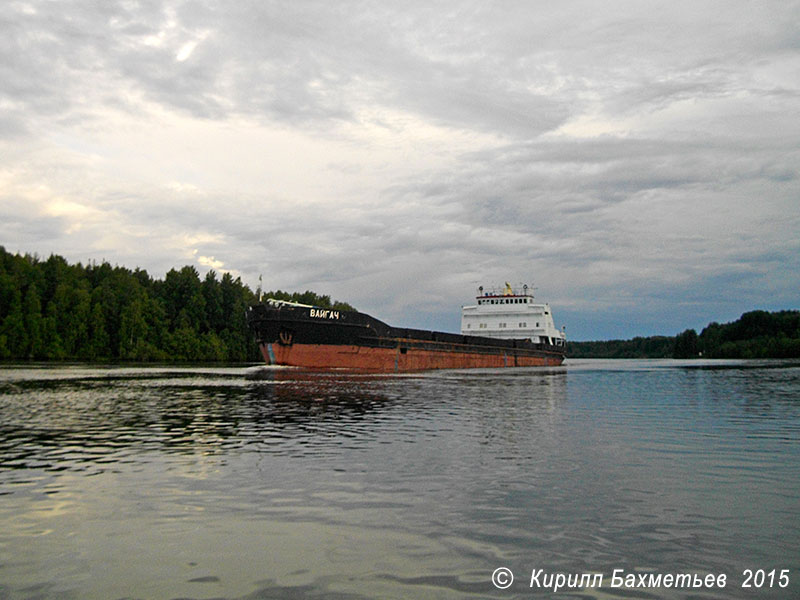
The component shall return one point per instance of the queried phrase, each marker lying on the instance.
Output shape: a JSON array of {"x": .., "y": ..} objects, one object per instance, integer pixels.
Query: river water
[{"x": 261, "y": 483}]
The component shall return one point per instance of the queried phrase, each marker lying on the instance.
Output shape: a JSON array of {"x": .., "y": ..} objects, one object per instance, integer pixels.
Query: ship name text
[{"x": 319, "y": 313}]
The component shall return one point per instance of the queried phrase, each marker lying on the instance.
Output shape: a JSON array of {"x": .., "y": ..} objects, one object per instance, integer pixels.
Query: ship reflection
[
  {"x": 90, "y": 424},
  {"x": 294, "y": 398}
]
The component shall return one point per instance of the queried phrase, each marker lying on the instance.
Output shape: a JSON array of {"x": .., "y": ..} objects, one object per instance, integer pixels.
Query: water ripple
[{"x": 259, "y": 483}]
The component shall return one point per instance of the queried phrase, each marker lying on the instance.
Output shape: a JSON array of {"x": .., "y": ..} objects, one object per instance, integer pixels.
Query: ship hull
[
  {"x": 326, "y": 339},
  {"x": 329, "y": 356}
]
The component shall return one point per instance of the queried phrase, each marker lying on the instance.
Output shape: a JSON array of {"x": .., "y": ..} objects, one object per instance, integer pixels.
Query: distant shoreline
[{"x": 756, "y": 334}]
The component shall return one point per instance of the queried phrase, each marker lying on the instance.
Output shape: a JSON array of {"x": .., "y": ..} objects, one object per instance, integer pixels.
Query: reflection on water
[
  {"x": 280, "y": 483},
  {"x": 65, "y": 423}
]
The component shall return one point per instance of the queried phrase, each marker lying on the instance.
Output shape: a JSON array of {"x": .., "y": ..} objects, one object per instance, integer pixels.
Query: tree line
[
  {"x": 638, "y": 347},
  {"x": 756, "y": 334},
  {"x": 52, "y": 310}
]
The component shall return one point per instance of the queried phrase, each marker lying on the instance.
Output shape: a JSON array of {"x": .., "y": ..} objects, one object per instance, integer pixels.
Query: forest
[
  {"x": 51, "y": 310},
  {"x": 756, "y": 334},
  {"x": 638, "y": 347}
]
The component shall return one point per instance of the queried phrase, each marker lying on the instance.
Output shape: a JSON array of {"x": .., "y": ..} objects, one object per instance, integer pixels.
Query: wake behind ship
[{"x": 514, "y": 331}]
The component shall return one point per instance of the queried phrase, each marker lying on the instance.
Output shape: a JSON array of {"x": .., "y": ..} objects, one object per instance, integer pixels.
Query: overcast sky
[{"x": 637, "y": 162}]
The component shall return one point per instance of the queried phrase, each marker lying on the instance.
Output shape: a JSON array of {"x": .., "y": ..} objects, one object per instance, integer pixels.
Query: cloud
[{"x": 637, "y": 161}]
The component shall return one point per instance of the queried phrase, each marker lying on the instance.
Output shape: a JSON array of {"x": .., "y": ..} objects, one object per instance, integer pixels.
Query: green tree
[
  {"x": 133, "y": 332},
  {"x": 212, "y": 295},
  {"x": 8, "y": 291},
  {"x": 183, "y": 296},
  {"x": 685, "y": 345},
  {"x": 99, "y": 342},
  {"x": 13, "y": 328},
  {"x": 70, "y": 309},
  {"x": 32, "y": 312}
]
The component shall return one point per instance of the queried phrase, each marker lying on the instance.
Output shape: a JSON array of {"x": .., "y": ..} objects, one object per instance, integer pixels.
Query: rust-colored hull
[{"x": 362, "y": 358}]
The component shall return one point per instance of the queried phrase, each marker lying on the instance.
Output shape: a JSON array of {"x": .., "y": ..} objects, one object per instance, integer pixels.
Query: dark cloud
[{"x": 638, "y": 160}]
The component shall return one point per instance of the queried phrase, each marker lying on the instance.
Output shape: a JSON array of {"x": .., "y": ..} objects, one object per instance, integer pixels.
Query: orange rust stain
[{"x": 391, "y": 359}]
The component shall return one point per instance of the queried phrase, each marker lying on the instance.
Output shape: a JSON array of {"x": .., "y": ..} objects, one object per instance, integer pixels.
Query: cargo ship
[{"x": 505, "y": 327}]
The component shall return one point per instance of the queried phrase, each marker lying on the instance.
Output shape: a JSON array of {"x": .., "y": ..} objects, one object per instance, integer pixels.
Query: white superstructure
[{"x": 511, "y": 314}]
